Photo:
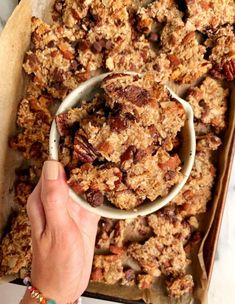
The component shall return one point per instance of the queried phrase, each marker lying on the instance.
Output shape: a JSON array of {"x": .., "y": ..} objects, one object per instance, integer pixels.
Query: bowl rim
[{"x": 111, "y": 211}]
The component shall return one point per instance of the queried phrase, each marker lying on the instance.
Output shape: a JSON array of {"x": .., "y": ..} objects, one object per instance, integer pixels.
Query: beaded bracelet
[{"x": 35, "y": 294}]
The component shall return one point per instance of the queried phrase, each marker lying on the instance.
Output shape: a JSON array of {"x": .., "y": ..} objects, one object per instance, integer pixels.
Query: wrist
[{"x": 27, "y": 299}]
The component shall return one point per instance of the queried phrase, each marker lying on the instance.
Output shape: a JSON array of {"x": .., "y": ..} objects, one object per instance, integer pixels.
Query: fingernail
[{"x": 51, "y": 170}]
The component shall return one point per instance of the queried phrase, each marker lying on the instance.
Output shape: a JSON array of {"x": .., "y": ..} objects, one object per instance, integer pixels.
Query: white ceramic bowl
[{"x": 86, "y": 91}]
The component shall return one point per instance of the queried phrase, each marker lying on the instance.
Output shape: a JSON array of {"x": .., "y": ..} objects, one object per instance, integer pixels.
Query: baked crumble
[{"x": 162, "y": 38}]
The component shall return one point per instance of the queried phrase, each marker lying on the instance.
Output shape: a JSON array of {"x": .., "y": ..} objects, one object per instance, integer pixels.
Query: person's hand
[{"x": 63, "y": 238}]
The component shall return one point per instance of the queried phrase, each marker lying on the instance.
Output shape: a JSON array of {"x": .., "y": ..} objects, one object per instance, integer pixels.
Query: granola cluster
[
  {"x": 210, "y": 14},
  {"x": 16, "y": 247},
  {"x": 122, "y": 144},
  {"x": 142, "y": 249},
  {"x": 189, "y": 42},
  {"x": 222, "y": 46}
]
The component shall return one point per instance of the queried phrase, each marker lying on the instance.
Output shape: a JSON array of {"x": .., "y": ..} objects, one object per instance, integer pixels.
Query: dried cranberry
[
  {"x": 97, "y": 47},
  {"x": 58, "y": 6},
  {"x": 94, "y": 198},
  {"x": 157, "y": 67},
  {"x": 51, "y": 44},
  {"x": 74, "y": 66},
  {"x": 202, "y": 103},
  {"x": 153, "y": 37},
  {"x": 129, "y": 274},
  {"x": 82, "y": 45},
  {"x": 108, "y": 45},
  {"x": 130, "y": 116}
]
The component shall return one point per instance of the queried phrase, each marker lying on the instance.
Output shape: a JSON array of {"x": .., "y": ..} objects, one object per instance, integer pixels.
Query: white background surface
[{"x": 222, "y": 289}]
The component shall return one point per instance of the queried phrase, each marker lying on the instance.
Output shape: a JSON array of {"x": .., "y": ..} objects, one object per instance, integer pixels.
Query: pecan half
[
  {"x": 226, "y": 70},
  {"x": 62, "y": 124},
  {"x": 229, "y": 69},
  {"x": 83, "y": 150},
  {"x": 217, "y": 72}
]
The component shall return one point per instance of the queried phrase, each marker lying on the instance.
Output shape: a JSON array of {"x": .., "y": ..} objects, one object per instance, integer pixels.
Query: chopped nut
[
  {"x": 128, "y": 154},
  {"x": 229, "y": 69},
  {"x": 175, "y": 61}
]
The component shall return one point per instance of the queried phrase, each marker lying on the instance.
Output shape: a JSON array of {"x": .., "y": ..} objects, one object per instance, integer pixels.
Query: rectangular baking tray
[{"x": 211, "y": 241}]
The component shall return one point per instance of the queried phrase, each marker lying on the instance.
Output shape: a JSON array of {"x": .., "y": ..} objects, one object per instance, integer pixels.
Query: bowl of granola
[{"x": 127, "y": 144}]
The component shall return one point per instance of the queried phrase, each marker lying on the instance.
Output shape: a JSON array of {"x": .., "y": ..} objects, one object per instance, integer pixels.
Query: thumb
[{"x": 54, "y": 194}]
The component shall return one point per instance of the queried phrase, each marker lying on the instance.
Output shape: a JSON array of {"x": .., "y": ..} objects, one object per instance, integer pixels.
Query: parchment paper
[{"x": 14, "y": 41}]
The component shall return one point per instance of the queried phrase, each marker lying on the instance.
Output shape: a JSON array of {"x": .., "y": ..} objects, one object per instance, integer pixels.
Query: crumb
[
  {"x": 222, "y": 45},
  {"x": 197, "y": 191},
  {"x": 209, "y": 103}
]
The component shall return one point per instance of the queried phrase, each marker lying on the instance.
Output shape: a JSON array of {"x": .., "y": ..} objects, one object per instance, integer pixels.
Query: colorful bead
[
  {"x": 26, "y": 280},
  {"x": 35, "y": 294},
  {"x": 51, "y": 302}
]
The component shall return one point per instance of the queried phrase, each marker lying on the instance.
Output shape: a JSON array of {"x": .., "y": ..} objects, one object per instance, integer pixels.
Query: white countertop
[{"x": 223, "y": 282}]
